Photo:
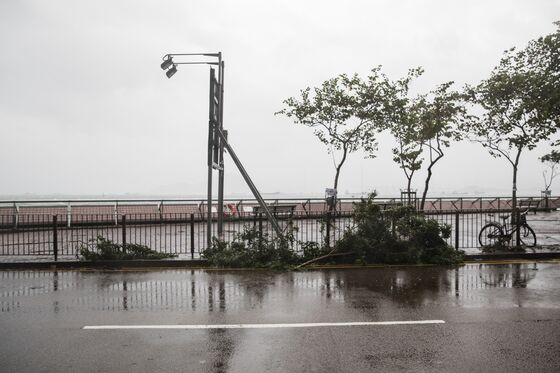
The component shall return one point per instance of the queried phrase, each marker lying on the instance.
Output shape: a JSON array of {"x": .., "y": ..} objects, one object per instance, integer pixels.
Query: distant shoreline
[{"x": 296, "y": 196}]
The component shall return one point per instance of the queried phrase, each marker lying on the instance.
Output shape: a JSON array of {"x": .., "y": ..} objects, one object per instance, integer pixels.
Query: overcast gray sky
[{"x": 86, "y": 110}]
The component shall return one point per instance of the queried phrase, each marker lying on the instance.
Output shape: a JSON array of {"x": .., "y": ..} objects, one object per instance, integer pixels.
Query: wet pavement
[{"x": 497, "y": 318}]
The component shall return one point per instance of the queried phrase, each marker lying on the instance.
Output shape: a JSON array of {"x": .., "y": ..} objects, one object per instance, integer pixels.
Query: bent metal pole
[
  {"x": 252, "y": 186},
  {"x": 215, "y": 147}
]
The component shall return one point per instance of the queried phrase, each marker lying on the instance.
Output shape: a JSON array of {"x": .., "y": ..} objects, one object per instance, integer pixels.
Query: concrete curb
[
  {"x": 106, "y": 264},
  {"x": 510, "y": 256},
  {"x": 125, "y": 264}
]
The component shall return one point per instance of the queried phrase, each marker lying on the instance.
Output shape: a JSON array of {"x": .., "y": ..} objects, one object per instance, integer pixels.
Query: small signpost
[{"x": 330, "y": 198}]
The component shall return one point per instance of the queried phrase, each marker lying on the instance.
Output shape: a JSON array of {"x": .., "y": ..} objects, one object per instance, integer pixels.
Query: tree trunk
[
  {"x": 426, "y": 186},
  {"x": 408, "y": 185},
  {"x": 427, "y": 182},
  {"x": 514, "y": 185},
  {"x": 514, "y": 188},
  {"x": 332, "y": 205},
  {"x": 337, "y": 174}
]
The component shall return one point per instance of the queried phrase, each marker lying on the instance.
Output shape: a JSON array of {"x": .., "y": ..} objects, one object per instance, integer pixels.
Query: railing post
[
  {"x": 16, "y": 215},
  {"x": 55, "y": 237},
  {"x": 457, "y": 231},
  {"x": 260, "y": 225},
  {"x": 518, "y": 230},
  {"x": 328, "y": 233},
  {"x": 69, "y": 215},
  {"x": 192, "y": 236},
  {"x": 124, "y": 233}
]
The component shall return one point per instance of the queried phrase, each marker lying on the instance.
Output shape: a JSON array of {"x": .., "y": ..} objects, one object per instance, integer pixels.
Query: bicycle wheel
[
  {"x": 528, "y": 237},
  {"x": 490, "y": 235}
]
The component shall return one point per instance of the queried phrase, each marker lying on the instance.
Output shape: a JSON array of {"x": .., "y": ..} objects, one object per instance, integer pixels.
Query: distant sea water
[
  {"x": 241, "y": 196},
  {"x": 131, "y": 196}
]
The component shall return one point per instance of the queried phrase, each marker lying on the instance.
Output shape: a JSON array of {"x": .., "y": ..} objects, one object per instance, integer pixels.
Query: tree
[
  {"x": 338, "y": 112},
  {"x": 401, "y": 116},
  {"x": 551, "y": 160},
  {"x": 541, "y": 61},
  {"x": 543, "y": 57},
  {"x": 440, "y": 115},
  {"x": 423, "y": 126},
  {"x": 519, "y": 105}
]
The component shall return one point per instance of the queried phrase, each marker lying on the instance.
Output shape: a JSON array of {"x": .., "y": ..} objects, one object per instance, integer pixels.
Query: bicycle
[{"x": 494, "y": 234}]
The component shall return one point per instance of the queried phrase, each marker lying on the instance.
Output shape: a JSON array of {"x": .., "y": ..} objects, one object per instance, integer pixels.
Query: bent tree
[
  {"x": 542, "y": 56},
  {"x": 338, "y": 112},
  {"x": 402, "y": 119},
  {"x": 441, "y": 112},
  {"x": 541, "y": 59},
  {"x": 423, "y": 126},
  {"x": 551, "y": 160},
  {"x": 517, "y": 113}
]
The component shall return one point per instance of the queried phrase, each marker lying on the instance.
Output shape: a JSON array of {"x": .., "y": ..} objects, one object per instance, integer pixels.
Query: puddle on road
[{"x": 275, "y": 293}]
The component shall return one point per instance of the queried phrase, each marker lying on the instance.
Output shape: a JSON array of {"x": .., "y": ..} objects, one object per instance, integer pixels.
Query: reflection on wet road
[
  {"x": 481, "y": 304},
  {"x": 207, "y": 292}
]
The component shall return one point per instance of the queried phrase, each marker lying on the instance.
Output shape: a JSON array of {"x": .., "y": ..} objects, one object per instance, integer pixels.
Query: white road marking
[{"x": 262, "y": 326}]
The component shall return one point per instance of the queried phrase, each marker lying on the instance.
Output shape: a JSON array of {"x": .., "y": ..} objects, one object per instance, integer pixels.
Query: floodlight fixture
[
  {"x": 215, "y": 128},
  {"x": 166, "y": 63},
  {"x": 171, "y": 71}
]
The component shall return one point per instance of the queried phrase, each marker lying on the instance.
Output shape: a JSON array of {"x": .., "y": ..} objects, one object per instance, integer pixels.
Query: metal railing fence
[
  {"x": 72, "y": 211},
  {"x": 185, "y": 234}
]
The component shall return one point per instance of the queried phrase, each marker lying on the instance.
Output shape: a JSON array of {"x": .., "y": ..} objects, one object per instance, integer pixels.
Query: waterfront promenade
[
  {"x": 47, "y": 230},
  {"x": 68, "y": 209}
]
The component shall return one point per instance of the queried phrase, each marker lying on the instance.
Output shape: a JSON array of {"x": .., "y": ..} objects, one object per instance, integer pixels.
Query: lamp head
[
  {"x": 166, "y": 63},
  {"x": 171, "y": 71}
]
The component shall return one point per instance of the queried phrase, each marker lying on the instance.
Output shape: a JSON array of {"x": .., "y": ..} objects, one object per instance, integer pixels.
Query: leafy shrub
[
  {"x": 400, "y": 235},
  {"x": 250, "y": 248},
  {"x": 104, "y": 249},
  {"x": 311, "y": 250},
  {"x": 396, "y": 236}
]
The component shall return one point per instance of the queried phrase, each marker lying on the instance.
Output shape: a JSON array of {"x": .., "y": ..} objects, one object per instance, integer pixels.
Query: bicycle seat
[{"x": 504, "y": 217}]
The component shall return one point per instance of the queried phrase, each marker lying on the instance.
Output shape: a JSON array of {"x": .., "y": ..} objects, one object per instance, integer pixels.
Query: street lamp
[
  {"x": 215, "y": 153},
  {"x": 217, "y": 138}
]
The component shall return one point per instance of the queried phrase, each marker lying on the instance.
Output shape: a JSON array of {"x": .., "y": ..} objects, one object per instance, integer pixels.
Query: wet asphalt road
[{"x": 497, "y": 318}]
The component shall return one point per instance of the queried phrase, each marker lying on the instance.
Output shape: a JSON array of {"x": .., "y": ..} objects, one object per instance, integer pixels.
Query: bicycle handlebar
[{"x": 520, "y": 214}]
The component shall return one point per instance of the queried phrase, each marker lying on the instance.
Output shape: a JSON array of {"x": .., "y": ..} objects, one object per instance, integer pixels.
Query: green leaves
[
  {"x": 103, "y": 249},
  {"x": 553, "y": 157},
  {"x": 520, "y": 101},
  {"x": 337, "y": 110},
  {"x": 253, "y": 249},
  {"x": 399, "y": 235},
  {"x": 517, "y": 107},
  {"x": 347, "y": 113},
  {"x": 422, "y": 125},
  {"x": 341, "y": 112}
]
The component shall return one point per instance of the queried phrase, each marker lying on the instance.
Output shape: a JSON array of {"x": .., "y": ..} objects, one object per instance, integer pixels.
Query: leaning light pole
[
  {"x": 217, "y": 138},
  {"x": 215, "y": 95}
]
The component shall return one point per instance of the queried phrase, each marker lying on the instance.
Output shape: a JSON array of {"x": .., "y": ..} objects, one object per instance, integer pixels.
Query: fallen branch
[{"x": 329, "y": 255}]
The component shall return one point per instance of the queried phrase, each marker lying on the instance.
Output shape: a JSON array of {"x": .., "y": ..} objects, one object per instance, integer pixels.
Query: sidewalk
[{"x": 66, "y": 263}]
